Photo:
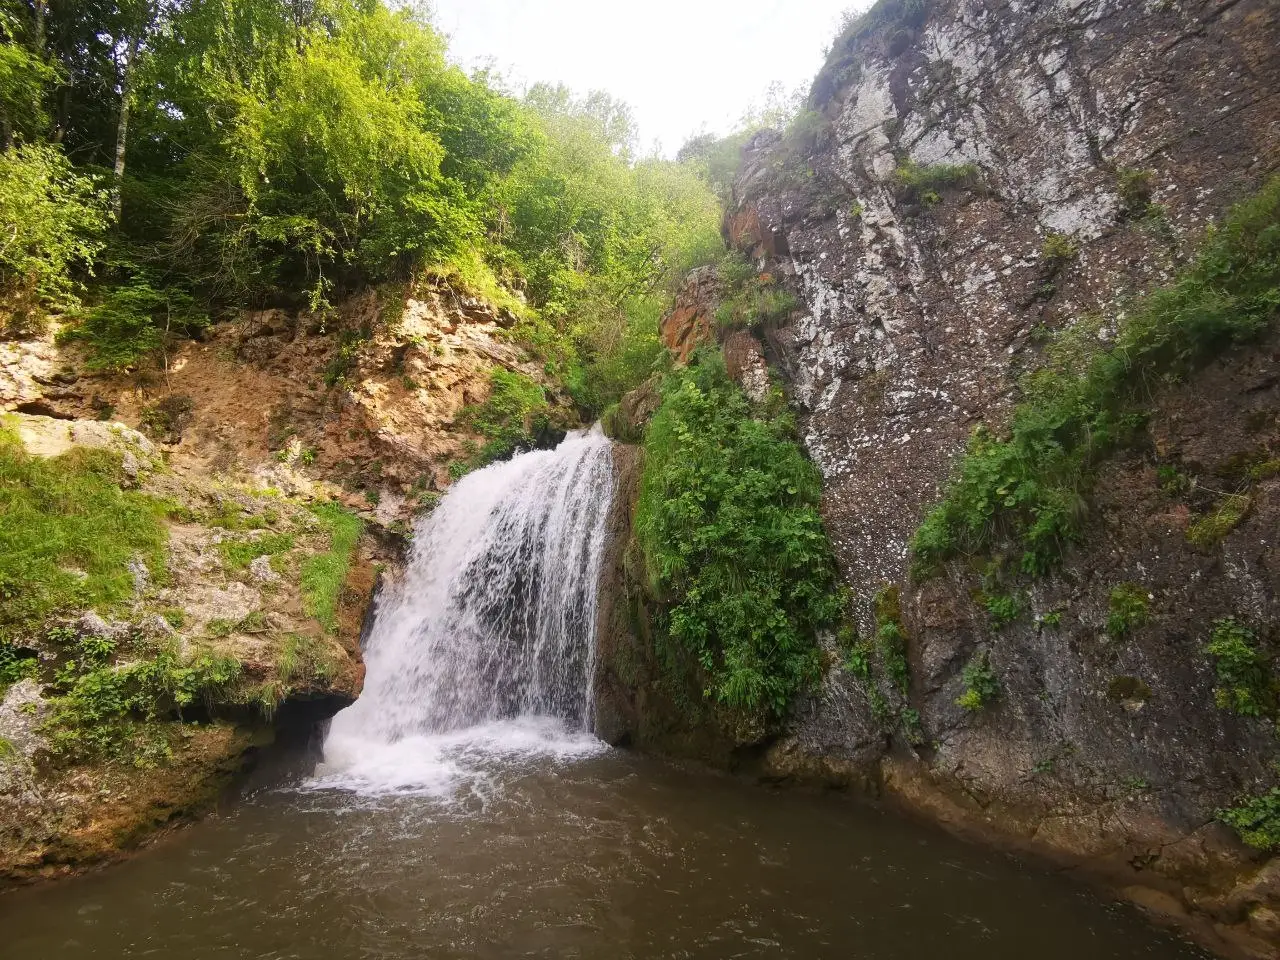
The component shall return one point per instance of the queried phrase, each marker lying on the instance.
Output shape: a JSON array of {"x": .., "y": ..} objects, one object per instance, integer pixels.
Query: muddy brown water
[{"x": 591, "y": 853}]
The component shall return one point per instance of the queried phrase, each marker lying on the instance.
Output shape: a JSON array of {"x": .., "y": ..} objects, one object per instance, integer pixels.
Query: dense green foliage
[
  {"x": 54, "y": 220},
  {"x": 265, "y": 152},
  {"x": 1256, "y": 819},
  {"x": 68, "y": 532},
  {"x": 1028, "y": 486},
  {"x": 106, "y": 708},
  {"x": 729, "y": 527},
  {"x": 1246, "y": 685}
]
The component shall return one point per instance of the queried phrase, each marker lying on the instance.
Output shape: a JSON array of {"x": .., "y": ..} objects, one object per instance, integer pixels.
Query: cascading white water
[{"x": 487, "y": 642}]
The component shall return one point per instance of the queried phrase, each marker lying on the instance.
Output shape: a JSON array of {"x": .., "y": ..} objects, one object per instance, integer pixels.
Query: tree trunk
[
  {"x": 37, "y": 36},
  {"x": 122, "y": 128}
]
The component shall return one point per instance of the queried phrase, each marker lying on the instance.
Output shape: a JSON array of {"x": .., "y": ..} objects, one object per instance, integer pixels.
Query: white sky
[{"x": 681, "y": 64}]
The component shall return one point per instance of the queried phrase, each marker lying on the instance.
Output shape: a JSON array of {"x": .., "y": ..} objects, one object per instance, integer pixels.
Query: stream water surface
[{"x": 521, "y": 841}]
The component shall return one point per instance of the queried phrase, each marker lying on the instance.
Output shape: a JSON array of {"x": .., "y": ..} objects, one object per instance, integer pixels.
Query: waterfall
[{"x": 487, "y": 641}]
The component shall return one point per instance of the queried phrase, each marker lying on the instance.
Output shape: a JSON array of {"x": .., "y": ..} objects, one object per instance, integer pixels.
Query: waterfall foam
[{"x": 485, "y": 647}]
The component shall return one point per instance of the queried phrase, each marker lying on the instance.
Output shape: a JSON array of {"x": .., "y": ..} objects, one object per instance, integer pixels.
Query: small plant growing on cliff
[
  {"x": 165, "y": 419},
  {"x": 920, "y": 184},
  {"x": 1213, "y": 527},
  {"x": 1135, "y": 189},
  {"x": 981, "y": 686},
  {"x": 1002, "y": 608},
  {"x": 1256, "y": 819},
  {"x": 891, "y": 639},
  {"x": 1058, "y": 250},
  {"x": 1245, "y": 684},
  {"x": 1127, "y": 609},
  {"x": 1128, "y": 690},
  {"x": 749, "y": 300},
  {"x": 514, "y": 411}
]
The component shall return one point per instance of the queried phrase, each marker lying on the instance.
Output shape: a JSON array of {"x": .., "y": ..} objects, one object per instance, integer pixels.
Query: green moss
[
  {"x": 324, "y": 574},
  {"x": 1029, "y": 486},
  {"x": 67, "y": 533},
  {"x": 1122, "y": 689}
]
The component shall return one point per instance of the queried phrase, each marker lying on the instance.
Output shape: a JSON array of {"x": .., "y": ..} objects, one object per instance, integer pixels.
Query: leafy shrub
[
  {"x": 729, "y": 528},
  {"x": 981, "y": 686},
  {"x": 14, "y": 666},
  {"x": 1256, "y": 820},
  {"x": 67, "y": 533},
  {"x": 133, "y": 320},
  {"x": 1029, "y": 486},
  {"x": 1002, "y": 608},
  {"x": 1245, "y": 683},
  {"x": 53, "y": 222},
  {"x": 1126, "y": 609},
  {"x": 325, "y": 574}
]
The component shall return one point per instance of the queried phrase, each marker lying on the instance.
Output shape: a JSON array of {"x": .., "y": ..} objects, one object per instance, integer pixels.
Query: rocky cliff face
[{"x": 973, "y": 176}]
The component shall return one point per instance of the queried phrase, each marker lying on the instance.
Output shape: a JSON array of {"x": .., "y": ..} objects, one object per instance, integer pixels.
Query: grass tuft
[{"x": 324, "y": 574}]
